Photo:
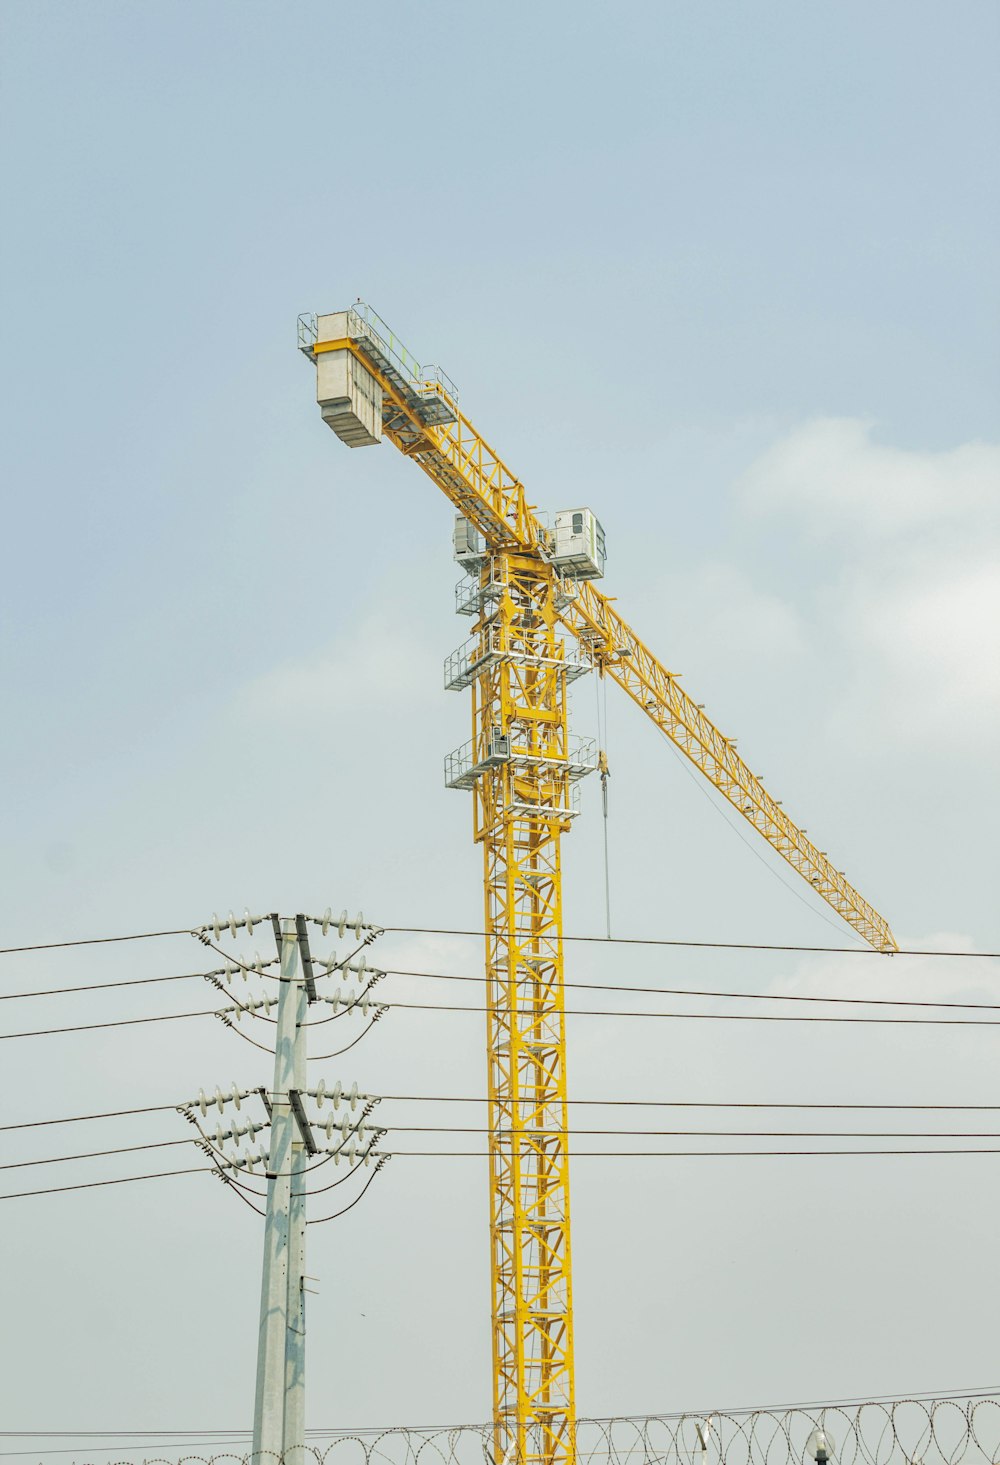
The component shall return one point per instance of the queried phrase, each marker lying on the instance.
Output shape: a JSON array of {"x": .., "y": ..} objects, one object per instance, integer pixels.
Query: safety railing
[{"x": 424, "y": 381}]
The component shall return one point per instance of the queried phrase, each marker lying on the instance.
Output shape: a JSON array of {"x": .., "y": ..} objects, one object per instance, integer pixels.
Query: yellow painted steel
[
  {"x": 618, "y": 650},
  {"x": 342, "y": 343},
  {"x": 522, "y": 807},
  {"x": 484, "y": 489}
]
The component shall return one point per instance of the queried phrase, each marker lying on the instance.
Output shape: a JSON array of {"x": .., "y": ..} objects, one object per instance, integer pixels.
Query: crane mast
[
  {"x": 522, "y": 766},
  {"x": 522, "y": 806}
]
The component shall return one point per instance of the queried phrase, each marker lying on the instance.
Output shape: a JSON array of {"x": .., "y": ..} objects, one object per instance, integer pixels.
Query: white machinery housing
[
  {"x": 470, "y": 547},
  {"x": 576, "y": 544}
]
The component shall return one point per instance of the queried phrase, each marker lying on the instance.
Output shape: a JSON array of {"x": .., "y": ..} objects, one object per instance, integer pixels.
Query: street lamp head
[{"x": 820, "y": 1446}]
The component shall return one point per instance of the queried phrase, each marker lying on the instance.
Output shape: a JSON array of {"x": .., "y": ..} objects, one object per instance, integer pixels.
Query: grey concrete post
[
  {"x": 282, "y": 1328},
  {"x": 295, "y": 1350}
]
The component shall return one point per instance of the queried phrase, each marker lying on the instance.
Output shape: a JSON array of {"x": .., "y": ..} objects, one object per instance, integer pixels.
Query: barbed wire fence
[{"x": 948, "y": 1431}]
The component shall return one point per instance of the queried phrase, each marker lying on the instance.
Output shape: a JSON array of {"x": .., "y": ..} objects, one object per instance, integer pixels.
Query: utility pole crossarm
[{"x": 614, "y": 646}]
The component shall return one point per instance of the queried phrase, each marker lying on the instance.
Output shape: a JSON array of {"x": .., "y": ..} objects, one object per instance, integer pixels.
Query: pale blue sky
[{"x": 729, "y": 275}]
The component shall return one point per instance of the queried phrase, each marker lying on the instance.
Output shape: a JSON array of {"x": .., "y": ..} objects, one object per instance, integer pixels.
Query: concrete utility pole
[{"x": 279, "y": 1408}]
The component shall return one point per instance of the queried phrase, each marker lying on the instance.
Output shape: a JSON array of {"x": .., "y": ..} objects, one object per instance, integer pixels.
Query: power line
[
  {"x": 80, "y": 1118},
  {"x": 93, "y": 941},
  {"x": 506, "y": 1135},
  {"x": 970, "y": 1022},
  {"x": 590, "y": 1103},
  {"x": 917, "y": 1396},
  {"x": 162, "y": 1144},
  {"x": 122, "y": 1022},
  {"x": 572, "y": 1154},
  {"x": 567, "y": 986},
  {"x": 100, "y": 986},
  {"x": 702, "y": 1104},
  {"x": 600, "y": 940},
  {"x": 699, "y": 945},
  {"x": 687, "y": 1154},
  {"x": 95, "y": 1184},
  {"x": 703, "y": 992}
]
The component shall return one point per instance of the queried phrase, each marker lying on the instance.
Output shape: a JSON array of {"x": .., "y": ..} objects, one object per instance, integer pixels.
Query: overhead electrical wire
[
  {"x": 710, "y": 992},
  {"x": 321, "y": 1220},
  {"x": 526, "y": 1012},
  {"x": 914, "y": 1396},
  {"x": 590, "y": 1103},
  {"x": 698, "y": 1103},
  {"x": 567, "y": 986},
  {"x": 689, "y": 1154},
  {"x": 93, "y": 941},
  {"x": 209, "y": 1437},
  {"x": 161, "y": 1144},
  {"x": 599, "y": 940},
  {"x": 528, "y": 1134},
  {"x": 82, "y": 1118},
  {"x": 698, "y": 945},
  {"x": 121, "y": 1022},
  {"x": 95, "y": 1184},
  {"x": 100, "y": 986},
  {"x": 617, "y": 1154}
]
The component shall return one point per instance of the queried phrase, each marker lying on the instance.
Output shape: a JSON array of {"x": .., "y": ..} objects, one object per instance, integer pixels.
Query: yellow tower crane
[{"x": 527, "y": 585}]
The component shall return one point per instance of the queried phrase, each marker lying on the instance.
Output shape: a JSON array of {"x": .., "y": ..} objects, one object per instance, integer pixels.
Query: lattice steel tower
[{"x": 527, "y": 586}]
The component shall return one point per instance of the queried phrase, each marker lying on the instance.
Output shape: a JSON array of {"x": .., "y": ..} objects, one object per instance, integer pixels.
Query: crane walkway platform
[
  {"x": 482, "y": 652},
  {"x": 462, "y": 769}
]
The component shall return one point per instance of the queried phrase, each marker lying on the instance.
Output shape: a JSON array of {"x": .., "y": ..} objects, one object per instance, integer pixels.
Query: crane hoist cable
[{"x": 605, "y": 773}]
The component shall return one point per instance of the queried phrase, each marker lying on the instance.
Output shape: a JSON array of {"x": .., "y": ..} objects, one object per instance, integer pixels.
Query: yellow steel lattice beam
[
  {"x": 522, "y": 806},
  {"x": 486, "y": 491},
  {"x": 619, "y": 651}
]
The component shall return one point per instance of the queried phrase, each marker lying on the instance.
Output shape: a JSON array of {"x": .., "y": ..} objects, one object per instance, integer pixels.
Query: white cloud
[
  {"x": 832, "y": 475},
  {"x": 382, "y": 664},
  {"x": 722, "y": 625},
  {"x": 730, "y": 610},
  {"x": 913, "y": 607},
  {"x": 934, "y": 636}
]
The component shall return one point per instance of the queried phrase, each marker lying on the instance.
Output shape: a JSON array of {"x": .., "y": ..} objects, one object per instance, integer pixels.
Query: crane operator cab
[{"x": 575, "y": 546}]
